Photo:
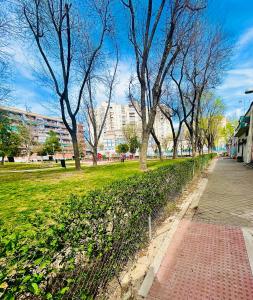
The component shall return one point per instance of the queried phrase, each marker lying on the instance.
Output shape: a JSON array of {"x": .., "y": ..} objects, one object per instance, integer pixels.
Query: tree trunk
[
  {"x": 175, "y": 150},
  {"x": 158, "y": 144},
  {"x": 95, "y": 156},
  {"x": 28, "y": 155},
  {"x": 76, "y": 151},
  {"x": 143, "y": 152},
  {"x": 2, "y": 160},
  {"x": 193, "y": 146}
]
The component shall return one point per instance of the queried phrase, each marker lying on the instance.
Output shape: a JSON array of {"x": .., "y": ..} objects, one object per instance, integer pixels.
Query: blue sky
[{"x": 235, "y": 16}]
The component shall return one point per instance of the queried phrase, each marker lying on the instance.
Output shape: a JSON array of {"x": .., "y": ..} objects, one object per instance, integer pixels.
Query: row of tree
[
  {"x": 178, "y": 59},
  {"x": 214, "y": 129}
]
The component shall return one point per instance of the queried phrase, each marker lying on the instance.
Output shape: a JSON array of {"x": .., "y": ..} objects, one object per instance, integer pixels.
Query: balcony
[{"x": 243, "y": 126}]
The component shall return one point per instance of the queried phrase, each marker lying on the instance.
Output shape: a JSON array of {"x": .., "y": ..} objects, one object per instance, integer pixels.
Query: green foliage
[
  {"x": 52, "y": 143},
  {"x": 122, "y": 148},
  {"x": 10, "y": 141},
  {"x": 134, "y": 144},
  {"x": 25, "y": 193},
  {"x": 211, "y": 120},
  {"x": 40, "y": 149},
  {"x": 228, "y": 131},
  {"x": 91, "y": 238},
  {"x": 130, "y": 134}
]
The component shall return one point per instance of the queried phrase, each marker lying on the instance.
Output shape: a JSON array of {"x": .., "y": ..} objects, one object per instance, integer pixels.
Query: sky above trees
[{"x": 236, "y": 18}]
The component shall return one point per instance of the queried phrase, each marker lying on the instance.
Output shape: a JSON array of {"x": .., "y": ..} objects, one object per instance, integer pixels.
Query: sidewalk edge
[
  {"x": 248, "y": 239},
  {"x": 191, "y": 202}
]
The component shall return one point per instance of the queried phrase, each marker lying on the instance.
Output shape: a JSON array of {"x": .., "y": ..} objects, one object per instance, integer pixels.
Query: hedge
[{"x": 90, "y": 239}]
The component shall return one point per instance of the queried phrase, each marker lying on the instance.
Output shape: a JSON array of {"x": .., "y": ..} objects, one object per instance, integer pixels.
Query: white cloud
[
  {"x": 22, "y": 60},
  {"x": 232, "y": 90},
  {"x": 240, "y": 79},
  {"x": 124, "y": 73},
  {"x": 26, "y": 97},
  {"x": 235, "y": 113},
  {"x": 245, "y": 38}
]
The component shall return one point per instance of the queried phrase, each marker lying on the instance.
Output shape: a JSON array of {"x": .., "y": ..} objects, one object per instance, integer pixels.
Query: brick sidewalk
[{"x": 207, "y": 258}]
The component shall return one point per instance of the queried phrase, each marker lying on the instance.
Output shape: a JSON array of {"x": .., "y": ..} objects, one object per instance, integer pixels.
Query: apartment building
[
  {"x": 242, "y": 144},
  {"x": 40, "y": 127},
  {"x": 120, "y": 115}
]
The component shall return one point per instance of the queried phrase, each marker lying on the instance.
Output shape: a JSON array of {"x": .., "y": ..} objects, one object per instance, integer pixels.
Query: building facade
[
  {"x": 40, "y": 127},
  {"x": 243, "y": 141},
  {"x": 121, "y": 115}
]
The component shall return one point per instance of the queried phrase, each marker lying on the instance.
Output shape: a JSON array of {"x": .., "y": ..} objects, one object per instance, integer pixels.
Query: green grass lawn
[
  {"x": 23, "y": 194},
  {"x": 26, "y": 166},
  {"x": 17, "y": 166}
]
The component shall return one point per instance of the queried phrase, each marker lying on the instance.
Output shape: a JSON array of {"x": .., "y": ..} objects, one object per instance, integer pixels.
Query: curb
[
  {"x": 191, "y": 202},
  {"x": 248, "y": 239}
]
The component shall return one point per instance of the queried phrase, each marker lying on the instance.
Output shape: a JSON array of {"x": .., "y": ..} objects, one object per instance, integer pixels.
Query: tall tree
[
  {"x": 69, "y": 48},
  {"x": 156, "y": 32},
  {"x": 94, "y": 121},
  {"x": 172, "y": 110},
  {"x": 5, "y": 31},
  {"x": 198, "y": 69},
  {"x": 228, "y": 131},
  {"x": 52, "y": 143},
  {"x": 212, "y": 114}
]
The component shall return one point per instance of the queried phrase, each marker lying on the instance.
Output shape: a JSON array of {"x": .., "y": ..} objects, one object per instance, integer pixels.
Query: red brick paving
[{"x": 204, "y": 261}]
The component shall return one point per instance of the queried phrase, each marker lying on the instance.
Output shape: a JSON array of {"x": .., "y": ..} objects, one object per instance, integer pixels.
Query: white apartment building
[{"x": 120, "y": 115}]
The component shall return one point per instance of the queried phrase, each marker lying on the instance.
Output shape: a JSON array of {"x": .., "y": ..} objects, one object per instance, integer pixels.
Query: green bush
[{"x": 91, "y": 239}]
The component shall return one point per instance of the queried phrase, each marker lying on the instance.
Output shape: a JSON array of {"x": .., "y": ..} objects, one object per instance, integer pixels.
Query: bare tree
[
  {"x": 172, "y": 110},
  {"x": 63, "y": 38},
  {"x": 95, "y": 122},
  {"x": 27, "y": 137},
  {"x": 156, "y": 32},
  {"x": 198, "y": 68},
  {"x": 5, "y": 31}
]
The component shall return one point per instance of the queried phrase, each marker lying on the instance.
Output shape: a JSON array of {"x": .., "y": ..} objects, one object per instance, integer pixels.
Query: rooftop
[{"x": 17, "y": 110}]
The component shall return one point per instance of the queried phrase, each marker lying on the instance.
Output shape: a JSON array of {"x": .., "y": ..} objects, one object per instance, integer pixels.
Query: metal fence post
[
  {"x": 193, "y": 168},
  {"x": 149, "y": 227}
]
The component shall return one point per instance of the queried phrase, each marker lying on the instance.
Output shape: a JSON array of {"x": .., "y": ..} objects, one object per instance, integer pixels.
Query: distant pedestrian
[{"x": 122, "y": 157}]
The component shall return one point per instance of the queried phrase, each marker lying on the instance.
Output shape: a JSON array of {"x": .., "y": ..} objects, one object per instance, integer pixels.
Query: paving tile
[
  {"x": 228, "y": 198},
  {"x": 207, "y": 258},
  {"x": 210, "y": 262}
]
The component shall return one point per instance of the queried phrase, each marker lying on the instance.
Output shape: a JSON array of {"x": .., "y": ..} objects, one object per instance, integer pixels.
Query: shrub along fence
[{"x": 91, "y": 239}]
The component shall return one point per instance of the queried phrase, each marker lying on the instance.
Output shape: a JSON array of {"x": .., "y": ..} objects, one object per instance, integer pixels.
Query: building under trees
[{"x": 39, "y": 127}]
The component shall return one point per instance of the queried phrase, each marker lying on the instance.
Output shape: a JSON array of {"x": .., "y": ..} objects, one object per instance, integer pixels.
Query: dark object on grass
[
  {"x": 63, "y": 163},
  {"x": 239, "y": 159}
]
